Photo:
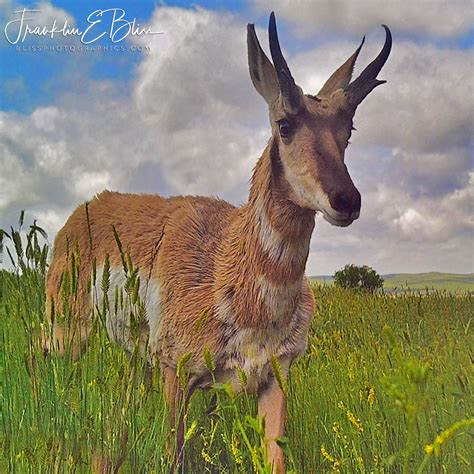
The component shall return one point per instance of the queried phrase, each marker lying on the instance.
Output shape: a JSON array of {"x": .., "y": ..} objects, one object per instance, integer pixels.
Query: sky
[{"x": 175, "y": 113}]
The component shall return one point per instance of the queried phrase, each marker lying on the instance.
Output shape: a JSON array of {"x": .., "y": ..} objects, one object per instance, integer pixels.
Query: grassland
[
  {"x": 436, "y": 280},
  {"x": 385, "y": 386},
  {"x": 419, "y": 281}
]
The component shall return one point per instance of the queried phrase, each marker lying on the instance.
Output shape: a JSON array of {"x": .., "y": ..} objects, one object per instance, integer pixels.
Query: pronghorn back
[{"x": 172, "y": 242}]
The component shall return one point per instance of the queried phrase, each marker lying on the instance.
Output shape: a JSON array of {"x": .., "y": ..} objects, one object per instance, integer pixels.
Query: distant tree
[{"x": 354, "y": 277}]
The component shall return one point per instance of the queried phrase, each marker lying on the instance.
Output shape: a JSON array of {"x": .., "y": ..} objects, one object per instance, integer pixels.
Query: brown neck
[
  {"x": 284, "y": 229},
  {"x": 266, "y": 250}
]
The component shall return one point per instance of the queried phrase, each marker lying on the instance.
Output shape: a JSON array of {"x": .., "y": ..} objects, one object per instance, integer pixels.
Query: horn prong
[
  {"x": 371, "y": 71},
  {"x": 367, "y": 80}
]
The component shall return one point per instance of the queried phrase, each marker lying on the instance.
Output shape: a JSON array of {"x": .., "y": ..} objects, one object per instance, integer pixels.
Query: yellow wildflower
[
  {"x": 325, "y": 454},
  {"x": 371, "y": 396},
  {"x": 337, "y": 430},
  {"x": 429, "y": 448},
  {"x": 355, "y": 422},
  {"x": 206, "y": 456},
  {"x": 335, "y": 462},
  {"x": 190, "y": 431},
  {"x": 234, "y": 448},
  {"x": 341, "y": 405},
  {"x": 255, "y": 463},
  {"x": 435, "y": 447}
]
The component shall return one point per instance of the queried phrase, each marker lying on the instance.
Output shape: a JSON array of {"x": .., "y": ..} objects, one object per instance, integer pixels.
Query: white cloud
[
  {"x": 45, "y": 17},
  {"x": 433, "y": 17},
  {"x": 413, "y": 224},
  {"x": 46, "y": 118},
  {"x": 194, "y": 92},
  {"x": 88, "y": 183},
  {"x": 49, "y": 13},
  {"x": 50, "y": 220}
]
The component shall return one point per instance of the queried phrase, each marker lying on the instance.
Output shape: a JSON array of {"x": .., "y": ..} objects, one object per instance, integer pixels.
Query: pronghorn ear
[
  {"x": 262, "y": 72},
  {"x": 342, "y": 76}
]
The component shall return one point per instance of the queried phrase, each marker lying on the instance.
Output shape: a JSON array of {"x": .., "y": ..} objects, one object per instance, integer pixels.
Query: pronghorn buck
[{"x": 216, "y": 281}]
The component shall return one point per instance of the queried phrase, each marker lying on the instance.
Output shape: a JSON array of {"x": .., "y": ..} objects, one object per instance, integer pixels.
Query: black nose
[{"x": 345, "y": 201}]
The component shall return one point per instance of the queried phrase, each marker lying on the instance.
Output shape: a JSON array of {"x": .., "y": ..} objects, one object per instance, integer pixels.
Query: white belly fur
[
  {"x": 120, "y": 306},
  {"x": 254, "y": 351}
]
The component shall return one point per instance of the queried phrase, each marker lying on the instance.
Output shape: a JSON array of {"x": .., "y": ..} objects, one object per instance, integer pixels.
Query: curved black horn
[
  {"x": 367, "y": 81},
  {"x": 289, "y": 90}
]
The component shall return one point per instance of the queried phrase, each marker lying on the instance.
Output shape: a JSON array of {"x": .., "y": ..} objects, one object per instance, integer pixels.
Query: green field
[
  {"x": 436, "y": 280},
  {"x": 420, "y": 281},
  {"x": 385, "y": 386}
]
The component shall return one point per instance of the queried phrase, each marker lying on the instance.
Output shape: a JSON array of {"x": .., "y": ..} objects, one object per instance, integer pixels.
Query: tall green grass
[{"x": 385, "y": 386}]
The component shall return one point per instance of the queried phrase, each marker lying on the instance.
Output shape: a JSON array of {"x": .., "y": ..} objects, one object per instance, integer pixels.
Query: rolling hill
[{"x": 419, "y": 281}]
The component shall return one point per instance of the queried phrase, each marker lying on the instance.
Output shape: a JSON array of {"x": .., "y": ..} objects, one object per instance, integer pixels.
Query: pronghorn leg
[
  {"x": 67, "y": 338},
  {"x": 66, "y": 335},
  {"x": 177, "y": 402},
  {"x": 272, "y": 408}
]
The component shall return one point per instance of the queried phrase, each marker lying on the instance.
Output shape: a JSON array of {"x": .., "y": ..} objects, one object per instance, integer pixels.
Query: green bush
[{"x": 354, "y": 277}]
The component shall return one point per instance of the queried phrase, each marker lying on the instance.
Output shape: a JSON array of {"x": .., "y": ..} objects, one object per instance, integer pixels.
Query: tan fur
[
  {"x": 214, "y": 278},
  {"x": 194, "y": 248}
]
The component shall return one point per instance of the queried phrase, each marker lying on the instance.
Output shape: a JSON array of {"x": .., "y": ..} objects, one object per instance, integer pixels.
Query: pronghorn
[{"x": 241, "y": 267}]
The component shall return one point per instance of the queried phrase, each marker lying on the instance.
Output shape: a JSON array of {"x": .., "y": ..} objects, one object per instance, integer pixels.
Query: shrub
[{"x": 354, "y": 277}]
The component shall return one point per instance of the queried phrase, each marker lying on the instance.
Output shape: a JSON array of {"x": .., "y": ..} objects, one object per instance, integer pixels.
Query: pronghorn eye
[{"x": 285, "y": 128}]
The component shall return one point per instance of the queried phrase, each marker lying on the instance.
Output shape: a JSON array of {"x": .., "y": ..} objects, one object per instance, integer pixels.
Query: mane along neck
[{"x": 266, "y": 250}]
